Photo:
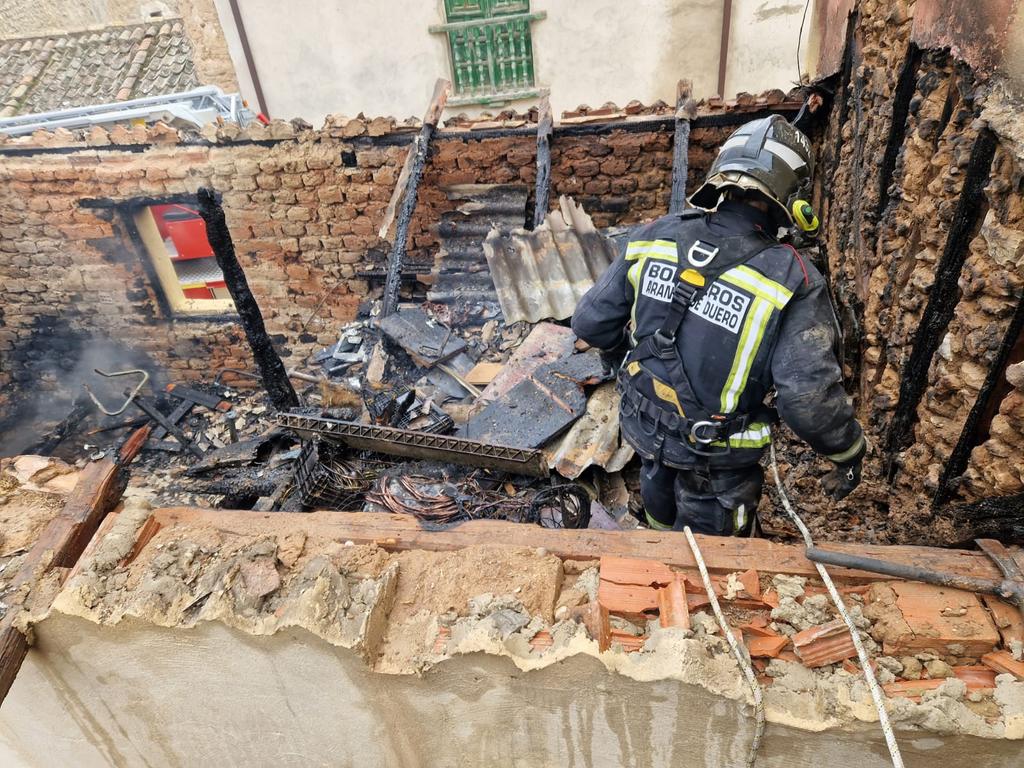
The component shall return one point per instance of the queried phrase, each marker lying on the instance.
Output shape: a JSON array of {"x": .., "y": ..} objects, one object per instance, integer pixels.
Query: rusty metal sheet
[
  {"x": 974, "y": 32},
  {"x": 541, "y": 274},
  {"x": 593, "y": 440},
  {"x": 460, "y": 270}
]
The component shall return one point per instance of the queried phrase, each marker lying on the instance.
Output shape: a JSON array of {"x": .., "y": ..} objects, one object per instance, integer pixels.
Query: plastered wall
[{"x": 313, "y": 58}]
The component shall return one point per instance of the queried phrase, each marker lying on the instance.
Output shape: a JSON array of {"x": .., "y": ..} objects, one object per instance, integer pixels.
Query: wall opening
[{"x": 174, "y": 238}]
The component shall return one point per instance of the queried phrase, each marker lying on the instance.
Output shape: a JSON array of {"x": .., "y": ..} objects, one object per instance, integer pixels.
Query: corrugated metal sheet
[
  {"x": 460, "y": 267},
  {"x": 594, "y": 439},
  {"x": 541, "y": 274}
]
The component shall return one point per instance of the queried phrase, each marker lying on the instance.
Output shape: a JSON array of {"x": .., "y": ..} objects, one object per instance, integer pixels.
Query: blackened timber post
[
  {"x": 686, "y": 110},
  {"x": 396, "y": 259},
  {"x": 544, "y": 131},
  {"x": 268, "y": 363}
]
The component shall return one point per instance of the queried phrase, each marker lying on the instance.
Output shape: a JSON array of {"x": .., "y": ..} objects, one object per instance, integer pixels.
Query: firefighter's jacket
[{"x": 761, "y": 320}]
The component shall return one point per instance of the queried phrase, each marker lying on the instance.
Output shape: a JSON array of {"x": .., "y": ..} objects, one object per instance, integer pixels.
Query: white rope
[
  {"x": 741, "y": 659},
  {"x": 862, "y": 654}
]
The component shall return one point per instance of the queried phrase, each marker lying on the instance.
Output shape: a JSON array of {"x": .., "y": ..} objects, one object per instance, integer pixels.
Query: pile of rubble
[{"x": 483, "y": 405}]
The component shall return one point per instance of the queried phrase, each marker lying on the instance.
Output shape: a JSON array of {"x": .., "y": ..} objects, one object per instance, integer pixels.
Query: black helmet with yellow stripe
[{"x": 769, "y": 156}]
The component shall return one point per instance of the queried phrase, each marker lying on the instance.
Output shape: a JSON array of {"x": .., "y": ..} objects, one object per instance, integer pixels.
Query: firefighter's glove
[
  {"x": 611, "y": 359},
  {"x": 840, "y": 482}
]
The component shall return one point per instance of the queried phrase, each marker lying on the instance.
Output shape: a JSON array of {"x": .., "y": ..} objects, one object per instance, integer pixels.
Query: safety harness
[{"x": 706, "y": 430}]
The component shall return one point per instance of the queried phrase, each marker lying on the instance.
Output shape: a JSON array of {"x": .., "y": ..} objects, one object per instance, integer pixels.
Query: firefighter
[{"x": 713, "y": 312}]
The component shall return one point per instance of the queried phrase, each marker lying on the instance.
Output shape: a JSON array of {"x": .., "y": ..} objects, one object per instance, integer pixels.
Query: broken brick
[
  {"x": 976, "y": 676},
  {"x": 1007, "y": 618},
  {"x": 766, "y": 646},
  {"x": 672, "y": 606},
  {"x": 627, "y": 599},
  {"x": 824, "y": 644},
  {"x": 628, "y": 570},
  {"x": 911, "y": 617},
  {"x": 1004, "y": 663}
]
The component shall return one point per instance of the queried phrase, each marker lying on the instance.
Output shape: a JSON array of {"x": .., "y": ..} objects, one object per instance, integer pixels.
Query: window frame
[{"x": 486, "y": 17}]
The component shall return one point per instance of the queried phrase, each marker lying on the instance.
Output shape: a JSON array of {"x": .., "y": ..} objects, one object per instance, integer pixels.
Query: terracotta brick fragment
[
  {"x": 976, "y": 675},
  {"x": 630, "y": 643},
  {"x": 596, "y": 622},
  {"x": 542, "y": 641},
  {"x": 913, "y": 689},
  {"x": 628, "y": 570},
  {"x": 672, "y": 607},
  {"x": 824, "y": 644},
  {"x": 627, "y": 599},
  {"x": 911, "y": 617},
  {"x": 1003, "y": 662},
  {"x": 1008, "y": 620},
  {"x": 767, "y": 647}
]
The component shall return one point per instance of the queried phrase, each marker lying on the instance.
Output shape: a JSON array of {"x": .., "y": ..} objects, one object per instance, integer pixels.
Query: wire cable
[
  {"x": 799, "y": 41},
  {"x": 741, "y": 659},
  {"x": 862, "y": 654}
]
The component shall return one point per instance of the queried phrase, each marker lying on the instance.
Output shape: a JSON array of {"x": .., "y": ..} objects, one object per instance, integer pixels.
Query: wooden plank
[
  {"x": 544, "y": 131},
  {"x": 722, "y": 554},
  {"x": 686, "y": 110},
  {"x": 397, "y": 257},
  {"x": 61, "y": 544}
]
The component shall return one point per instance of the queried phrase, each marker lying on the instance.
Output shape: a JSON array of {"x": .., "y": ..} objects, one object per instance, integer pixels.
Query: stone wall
[
  {"x": 209, "y": 47},
  {"x": 923, "y": 229}
]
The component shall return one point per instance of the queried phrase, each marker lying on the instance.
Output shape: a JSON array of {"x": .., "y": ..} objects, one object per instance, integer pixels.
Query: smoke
[{"x": 48, "y": 376}]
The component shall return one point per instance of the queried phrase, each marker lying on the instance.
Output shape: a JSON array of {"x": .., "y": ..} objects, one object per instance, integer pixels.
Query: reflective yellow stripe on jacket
[
  {"x": 768, "y": 297},
  {"x": 639, "y": 251}
]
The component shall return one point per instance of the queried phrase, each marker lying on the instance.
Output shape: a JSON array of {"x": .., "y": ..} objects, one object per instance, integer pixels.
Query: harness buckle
[{"x": 697, "y": 432}]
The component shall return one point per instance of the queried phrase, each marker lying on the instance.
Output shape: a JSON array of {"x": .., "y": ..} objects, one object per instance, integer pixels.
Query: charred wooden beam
[
  {"x": 420, "y": 148},
  {"x": 686, "y": 110},
  {"x": 976, "y": 427},
  {"x": 49, "y": 442},
  {"x": 268, "y": 362},
  {"x": 545, "y": 128},
  {"x": 62, "y": 542},
  {"x": 943, "y": 297},
  {"x": 905, "y": 86}
]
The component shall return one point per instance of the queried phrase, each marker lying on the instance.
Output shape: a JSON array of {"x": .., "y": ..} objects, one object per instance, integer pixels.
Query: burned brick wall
[
  {"x": 304, "y": 208},
  {"x": 920, "y": 189}
]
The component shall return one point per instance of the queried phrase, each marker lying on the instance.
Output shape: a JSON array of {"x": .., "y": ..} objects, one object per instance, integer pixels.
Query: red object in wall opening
[
  {"x": 185, "y": 229},
  {"x": 198, "y": 293}
]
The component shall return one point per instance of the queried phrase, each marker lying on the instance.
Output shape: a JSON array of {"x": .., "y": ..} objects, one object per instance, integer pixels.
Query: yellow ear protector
[{"x": 804, "y": 216}]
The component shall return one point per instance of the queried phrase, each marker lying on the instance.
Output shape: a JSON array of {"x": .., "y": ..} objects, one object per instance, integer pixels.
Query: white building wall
[{"x": 315, "y": 58}]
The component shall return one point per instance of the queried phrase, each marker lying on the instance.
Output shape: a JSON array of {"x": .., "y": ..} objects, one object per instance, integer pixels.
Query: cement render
[{"x": 136, "y": 694}]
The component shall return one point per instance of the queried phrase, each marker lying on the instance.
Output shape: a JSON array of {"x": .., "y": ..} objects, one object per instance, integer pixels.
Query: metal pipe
[
  {"x": 908, "y": 572},
  {"x": 250, "y": 63},
  {"x": 723, "y": 51}
]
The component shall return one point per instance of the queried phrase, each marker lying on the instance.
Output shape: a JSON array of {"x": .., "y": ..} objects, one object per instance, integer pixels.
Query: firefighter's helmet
[{"x": 769, "y": 156}]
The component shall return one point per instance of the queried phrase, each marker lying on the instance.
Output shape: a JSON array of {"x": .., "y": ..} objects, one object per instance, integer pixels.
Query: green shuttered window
[{"x": 491, "y": 49}]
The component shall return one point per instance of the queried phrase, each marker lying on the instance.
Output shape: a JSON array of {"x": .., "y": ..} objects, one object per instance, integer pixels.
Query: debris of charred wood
[
  {"x": 150, "y": 408},
  {"x": 268, "y": 362},
  {"x": 427, "y": 342},
  {"x": 686, "y": 110},
  {"x": 421, "y": 148},
  {"x": 544, "y": 133},
  {"x": 46, "y": 445}
]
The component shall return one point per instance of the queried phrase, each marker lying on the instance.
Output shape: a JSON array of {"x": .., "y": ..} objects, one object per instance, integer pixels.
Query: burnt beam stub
[
  {"x": 268, "y": 362},
  {"x": 542, "y": 198},
  {"x": 943, "y": 297},
  {"x": 979, "y": 420},
  {"x": 902, "y": 96},
  {"x": 686, "y": 110}
]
